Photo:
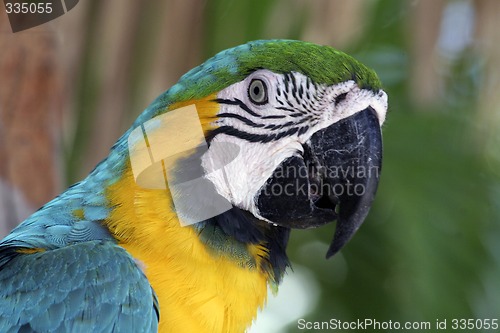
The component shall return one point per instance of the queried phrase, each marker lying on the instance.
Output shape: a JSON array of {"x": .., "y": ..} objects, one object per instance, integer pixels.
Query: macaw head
[{"x": 291, "y": 139}]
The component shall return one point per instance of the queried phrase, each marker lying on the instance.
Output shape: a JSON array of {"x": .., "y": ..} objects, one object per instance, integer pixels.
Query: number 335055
[{"x": 26, "y": 7}]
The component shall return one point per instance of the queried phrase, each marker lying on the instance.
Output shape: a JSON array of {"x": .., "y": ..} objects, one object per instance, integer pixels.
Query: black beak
[
  {"x": 351, "y": 152},
  {"x": 335, "y": 179}
]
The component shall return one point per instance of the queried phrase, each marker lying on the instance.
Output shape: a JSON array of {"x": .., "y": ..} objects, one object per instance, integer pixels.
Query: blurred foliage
[{"x": 423, "y": 253}]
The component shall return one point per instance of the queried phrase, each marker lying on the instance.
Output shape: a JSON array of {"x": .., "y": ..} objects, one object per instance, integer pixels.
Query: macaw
[{"x": 192, "y": 241}]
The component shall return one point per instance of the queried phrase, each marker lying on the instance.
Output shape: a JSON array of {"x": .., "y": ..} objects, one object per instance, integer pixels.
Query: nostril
[
  {"x": 324, "y": 202},
  {"x": 340, "y": 98},
  {"x": 327, "y": 200}
]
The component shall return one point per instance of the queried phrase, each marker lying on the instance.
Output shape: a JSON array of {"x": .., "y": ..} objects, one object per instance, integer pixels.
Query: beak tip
[
  {"x": 332, "y": 250},
  {"x": 348, "y": 224},
  {"x": 339, "y": 240}
]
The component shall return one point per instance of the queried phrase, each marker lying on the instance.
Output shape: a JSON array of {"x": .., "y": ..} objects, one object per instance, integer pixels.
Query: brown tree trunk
[
  {"x": 424, "y": 33},
  {"x": 30, "y": 103},
  {"x": 489, "y": 99},
  {"x": 335, "y": 22}
]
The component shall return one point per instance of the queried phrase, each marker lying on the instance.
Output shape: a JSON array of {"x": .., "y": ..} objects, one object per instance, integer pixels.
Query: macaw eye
[{"x": 257, "y": 92}]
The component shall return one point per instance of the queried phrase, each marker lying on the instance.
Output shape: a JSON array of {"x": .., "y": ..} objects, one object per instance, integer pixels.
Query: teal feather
[{"x": 77, "y": 288}]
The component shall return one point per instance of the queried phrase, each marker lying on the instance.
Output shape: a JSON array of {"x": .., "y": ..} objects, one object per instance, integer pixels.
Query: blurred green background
[{"x": 430, "y": 248}]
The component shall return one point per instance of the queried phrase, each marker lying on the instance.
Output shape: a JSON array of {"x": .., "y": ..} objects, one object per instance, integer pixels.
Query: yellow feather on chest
[{"x": 198, "y": 289}]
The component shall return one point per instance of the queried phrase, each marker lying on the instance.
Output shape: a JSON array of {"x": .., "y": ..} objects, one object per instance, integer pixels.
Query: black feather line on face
[
  {"x": 237, "y": 102},
  {"x": 240, "y": 118},
  {"x": 284, "y": 108},
  {"x": 273, "y": 117},
  {"x": 250, "y": 137}
]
